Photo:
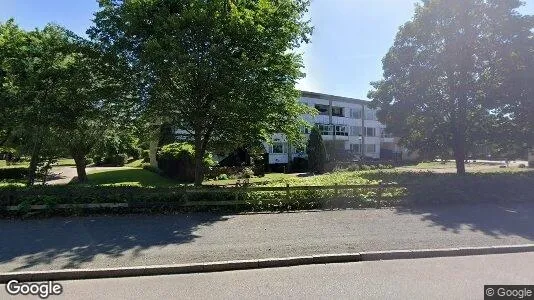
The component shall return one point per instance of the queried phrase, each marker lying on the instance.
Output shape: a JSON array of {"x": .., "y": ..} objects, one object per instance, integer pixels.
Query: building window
[
  {"x": 356, "y": 113},
  {"x": 355, "y": 130},
  {"x": 326, "y": 129},
  {"x": 305, "y": 129},
  {"x": 341, "y": 130},
  {"x": 356, "y": 148},
  {"x": 385, "y": 134},
  {"x": 370, "y": 131},
  {"x": 370, "y": 115},
  {"x": 323, "y": 109},
  {"x": 370, "y": 148},
  {"x": 279, "y": 148},
  {"x": 337, "y": 111}
]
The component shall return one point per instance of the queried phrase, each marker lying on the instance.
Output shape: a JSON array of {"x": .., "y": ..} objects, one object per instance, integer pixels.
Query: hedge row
[
  {"x": 186, "y": 199},
  {"x": 13, "y": 173}
]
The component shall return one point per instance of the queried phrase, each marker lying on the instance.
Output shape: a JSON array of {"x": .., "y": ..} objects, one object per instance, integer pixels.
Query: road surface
[
  {"x": 118, "y": 241},
  {"x": 432, "y": 278}
]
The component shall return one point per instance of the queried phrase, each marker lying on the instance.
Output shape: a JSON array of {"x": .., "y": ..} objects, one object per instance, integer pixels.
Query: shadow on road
[
  {"x": 496, "y": 220},
  {"x": 75, "y": 241}
]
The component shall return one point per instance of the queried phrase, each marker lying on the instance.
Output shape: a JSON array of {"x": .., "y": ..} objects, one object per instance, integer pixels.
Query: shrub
[
  {"x": 222, "y": 177},
  {"x": 230, "y": 172},
  {"x": 353, "y": 168},
  {"x": 365, "y": 168},
  {"x": 316, "y": 151},
  {"x": 299, "y": 164},
  {"x": 13, "y": 173},
  {"x": 247, "y": 173},
  {"x": 114, "y": 149},
  {"x": 145, "y": 155},
  {"x": 177, "y": 160}
]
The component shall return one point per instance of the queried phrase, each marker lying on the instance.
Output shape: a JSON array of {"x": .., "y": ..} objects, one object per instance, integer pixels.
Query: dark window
[{"x": 323, "y": 109}]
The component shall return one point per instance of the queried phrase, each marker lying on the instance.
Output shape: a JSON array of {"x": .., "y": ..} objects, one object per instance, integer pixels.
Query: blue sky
[{"x": 350, "y": 38}]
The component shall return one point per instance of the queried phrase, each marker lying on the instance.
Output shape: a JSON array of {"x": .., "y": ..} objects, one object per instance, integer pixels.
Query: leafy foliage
[
  {"x": 223, "y": 71},
  {"x": 177, "y": 161},
  {"x": 452, "y": 74},
  {"x": 316, "y": 151}
]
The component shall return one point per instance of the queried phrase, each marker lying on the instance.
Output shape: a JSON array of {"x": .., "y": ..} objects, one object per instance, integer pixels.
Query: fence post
[
  {"x": 379, "y": 194},
  {"x": 287, "y": 192}
]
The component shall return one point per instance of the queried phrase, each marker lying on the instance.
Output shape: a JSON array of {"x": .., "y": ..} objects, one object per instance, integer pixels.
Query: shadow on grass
[{"x": 68, "y": 243}]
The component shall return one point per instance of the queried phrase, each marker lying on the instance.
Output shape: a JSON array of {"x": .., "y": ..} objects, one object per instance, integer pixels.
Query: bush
[
  {"x": 247, "y": 173},
  {"x": 299, "y": 164},
  {"x": 222, "y": 177},
  {"x": 114, "y": 149},
  {"x": 230, "y": 172},
  {"x": 316, "y": 151},
  {"x": 145, "y": 155},
  {"x": 178, "y": 161},
  {"x": 13, "y": 173}
]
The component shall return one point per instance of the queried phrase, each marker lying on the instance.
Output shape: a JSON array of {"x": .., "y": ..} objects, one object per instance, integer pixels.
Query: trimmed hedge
[
  {"x": 13, "y": 173},
  {"x": 189, "y": 199}
]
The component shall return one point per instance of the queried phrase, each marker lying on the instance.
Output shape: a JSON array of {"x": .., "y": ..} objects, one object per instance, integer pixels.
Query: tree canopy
[
  {"x": 223, "y": 71},
  {"x": 458, "y": 75}
]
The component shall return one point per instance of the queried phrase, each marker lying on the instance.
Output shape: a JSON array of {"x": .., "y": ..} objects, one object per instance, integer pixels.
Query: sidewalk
[{"x": 121, "y": 241}]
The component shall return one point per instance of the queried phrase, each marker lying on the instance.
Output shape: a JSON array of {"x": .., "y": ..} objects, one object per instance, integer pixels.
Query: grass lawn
[
  {"x": 128, "y": 177},
  {"x": 135, "y": 164},
  {"x": 66, "y": 162},
  {"x": 3, "y": 164}
]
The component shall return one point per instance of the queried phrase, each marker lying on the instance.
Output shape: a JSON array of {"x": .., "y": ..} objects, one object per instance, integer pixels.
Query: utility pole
[{"x": 363, "y": 134}]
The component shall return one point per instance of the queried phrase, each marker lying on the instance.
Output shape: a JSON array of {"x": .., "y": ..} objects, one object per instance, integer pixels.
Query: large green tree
[
  {"x": 12, "y": 41},
  {"x": 224, "y": 70},
  {"x": 450, "y": 78},
  {"x": 54, "y": 84}
]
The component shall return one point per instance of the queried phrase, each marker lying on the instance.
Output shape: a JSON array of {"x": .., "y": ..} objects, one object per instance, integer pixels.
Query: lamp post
[{"x": 360, "y": 139}]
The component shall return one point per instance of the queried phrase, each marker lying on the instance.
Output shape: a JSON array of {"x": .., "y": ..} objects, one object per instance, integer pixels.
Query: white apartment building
[{"x": 349, "y": 127}]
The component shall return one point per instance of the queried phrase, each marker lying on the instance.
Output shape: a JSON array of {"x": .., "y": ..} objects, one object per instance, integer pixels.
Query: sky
[{"x": 349, "y": 41}]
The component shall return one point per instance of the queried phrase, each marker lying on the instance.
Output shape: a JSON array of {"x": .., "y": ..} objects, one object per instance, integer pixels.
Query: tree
[
  {"x": 54, "y": 84},
  {"x": 12, "y": 41},
  {"x": 223, "y": 71},
  {"x": 447, "y": 78},
  {"x": 316, "y": 151}
]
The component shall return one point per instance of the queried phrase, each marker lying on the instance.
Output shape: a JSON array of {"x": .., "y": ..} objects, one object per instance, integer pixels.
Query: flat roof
[{"x": 332, "y": 97}]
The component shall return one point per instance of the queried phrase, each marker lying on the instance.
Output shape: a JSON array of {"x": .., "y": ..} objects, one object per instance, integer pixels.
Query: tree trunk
[
  {"x": 199, "y": 161},
  {"x": 34, "y": 160},
  {"x": 459, "y": 153},
  {"x": 80, "y": 168},
  {"x": 154, "y": 141}
]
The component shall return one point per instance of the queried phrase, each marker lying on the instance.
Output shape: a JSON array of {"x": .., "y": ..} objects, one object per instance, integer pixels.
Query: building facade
[{"x": 349, "y": 129}]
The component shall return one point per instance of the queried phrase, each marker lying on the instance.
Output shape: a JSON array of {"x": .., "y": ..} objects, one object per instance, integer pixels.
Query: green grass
[
  {"x": 3, "y": 164},
  {"x": 66, "y": 162},
  {"x": 128, "y": 177},
  {"x": 135, "y": 164}
]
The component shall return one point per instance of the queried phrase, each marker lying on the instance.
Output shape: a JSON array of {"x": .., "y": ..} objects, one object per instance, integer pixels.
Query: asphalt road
[
  {"x": 96, "y": 242},
  {"x": 432, "y": 278}
]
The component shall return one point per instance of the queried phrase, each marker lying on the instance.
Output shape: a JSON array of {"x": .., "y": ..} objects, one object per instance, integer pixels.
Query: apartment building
[{"x": 349, "y": 129}]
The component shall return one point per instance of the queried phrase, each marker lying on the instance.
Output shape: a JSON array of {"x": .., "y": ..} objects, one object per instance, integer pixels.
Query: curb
[{"x": 73, "y": 274}]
